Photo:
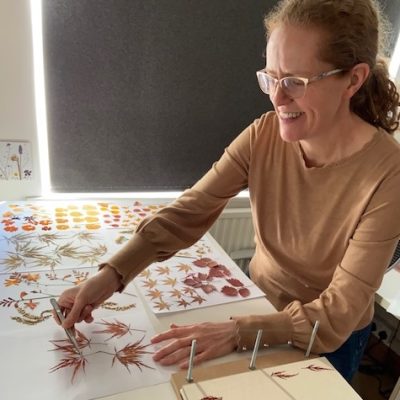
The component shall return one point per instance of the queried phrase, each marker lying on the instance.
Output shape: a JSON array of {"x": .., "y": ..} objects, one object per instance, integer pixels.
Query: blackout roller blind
[{"x": 145, "y": 95}]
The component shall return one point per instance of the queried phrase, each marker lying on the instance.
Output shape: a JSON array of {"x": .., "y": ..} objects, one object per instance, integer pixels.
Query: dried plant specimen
[
  {"x": 211, "y": 398},
  {"x": 116, "y": 329},
  {"x": 283, "y": 374},
  {"x": 131, "y": 354},
  {"x": 317, "y": 368},
  {"x": 75, "y": 361}
]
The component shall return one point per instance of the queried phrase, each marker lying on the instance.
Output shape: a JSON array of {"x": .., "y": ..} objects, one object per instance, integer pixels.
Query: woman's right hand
[{"x": 77, "y": 303}]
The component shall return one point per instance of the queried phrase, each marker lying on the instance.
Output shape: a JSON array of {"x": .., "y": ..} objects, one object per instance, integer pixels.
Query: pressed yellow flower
[
  {"x": 75, "y": 214},
  {"x": 93, "y": 226},
  {"x": 91, "y": 219},
  {"x": 61, "y": 220},
  {"x": 92, "y": 212},
  {"x": 62, "y": 227},
  {"x": 12, "y": 281},
  {"x": 31, "y": 277}
]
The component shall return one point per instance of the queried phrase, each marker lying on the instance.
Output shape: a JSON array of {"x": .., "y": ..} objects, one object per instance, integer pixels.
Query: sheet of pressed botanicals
[
  {"x": 38, "y": 362},
  {"x": 200, "y": 276},
  {"x": 25, "y": 296}
]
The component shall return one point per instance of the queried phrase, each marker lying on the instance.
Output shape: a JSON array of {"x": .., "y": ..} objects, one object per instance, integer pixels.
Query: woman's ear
[{"x": 358, "y": 75}]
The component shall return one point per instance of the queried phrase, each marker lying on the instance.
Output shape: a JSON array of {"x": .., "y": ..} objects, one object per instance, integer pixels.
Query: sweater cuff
[
  {"x": 277, "y": 329},
  {"x": 132, "y": 259}
]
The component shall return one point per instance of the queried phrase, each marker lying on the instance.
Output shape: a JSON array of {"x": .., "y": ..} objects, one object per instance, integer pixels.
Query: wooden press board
[{"x": 285, "y": 375}]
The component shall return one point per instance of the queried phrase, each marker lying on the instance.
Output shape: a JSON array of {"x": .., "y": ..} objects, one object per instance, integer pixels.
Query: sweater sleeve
[
  {"x": 183, "y": 222},
  {"x": 340, "y": 307}
]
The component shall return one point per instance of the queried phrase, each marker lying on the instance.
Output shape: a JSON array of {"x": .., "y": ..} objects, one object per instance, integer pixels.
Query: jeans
[{"x": 347, "y": 357}]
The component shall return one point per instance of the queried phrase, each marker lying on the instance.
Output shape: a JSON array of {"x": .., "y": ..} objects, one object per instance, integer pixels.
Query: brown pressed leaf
[
  {"x": 161, "y": 305},
  {"x": 184, "y": 267},
  {"x": 176, "y": 293},
  {"x": 116, "y": 329},
  {"x": 229, "y": 291},
  {"x": 234, "y": 282},
  {"x": 132, "y": 354},
  {"x": 188, "y": 290},
  {"x": 198, "y": 299},
  {"x": 244, "y": 292},
  {"x": 183, "y": 303},
  {"x": 150, "y": 283},
  {"x": 154, "y": 294},
  {"x": 145, "y": 273},
  {"x": 74, "y": 361},
  {"x": 163, "y": 270},
  {"x": 169, "y": 281}
]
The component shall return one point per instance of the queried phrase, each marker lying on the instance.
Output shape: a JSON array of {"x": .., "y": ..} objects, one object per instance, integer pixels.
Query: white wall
[{"x": 17, "y": 107}]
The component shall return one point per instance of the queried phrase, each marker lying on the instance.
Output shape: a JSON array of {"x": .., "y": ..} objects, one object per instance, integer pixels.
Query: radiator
[{"x": 234, "y": 231}]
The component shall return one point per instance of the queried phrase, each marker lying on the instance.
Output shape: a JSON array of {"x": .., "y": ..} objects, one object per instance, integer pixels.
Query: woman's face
[{"x": 293, "y": 51}]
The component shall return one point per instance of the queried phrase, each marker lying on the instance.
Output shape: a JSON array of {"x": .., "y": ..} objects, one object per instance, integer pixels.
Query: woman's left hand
[{"x": 212, "y": 340}]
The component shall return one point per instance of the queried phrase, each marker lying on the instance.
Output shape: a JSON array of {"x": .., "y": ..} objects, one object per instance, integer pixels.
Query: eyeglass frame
[{"x": 306, "y": 81}]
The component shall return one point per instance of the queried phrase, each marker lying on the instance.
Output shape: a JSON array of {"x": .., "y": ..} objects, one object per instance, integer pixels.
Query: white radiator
[{"x": 234, "y": 231}]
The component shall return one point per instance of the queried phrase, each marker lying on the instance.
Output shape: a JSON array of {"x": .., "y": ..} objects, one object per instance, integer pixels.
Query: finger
[
  {"x": 174, "y": 358},
  {"x": 74, "y": 314},
  {"x": 86, "y": 313},
  {"x": 171, "y": 348},
  {"x": 174, "y": 333}
]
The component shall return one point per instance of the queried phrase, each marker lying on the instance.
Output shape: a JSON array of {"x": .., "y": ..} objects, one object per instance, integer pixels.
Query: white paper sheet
[
  {"x": 200, "y": 276},
  {"x": 24, "y": 297},
  {"x": 32, "y": 368}
]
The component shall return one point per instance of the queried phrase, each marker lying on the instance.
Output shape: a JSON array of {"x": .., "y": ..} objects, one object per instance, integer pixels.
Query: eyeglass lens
[{"x": 292, "y": 86}]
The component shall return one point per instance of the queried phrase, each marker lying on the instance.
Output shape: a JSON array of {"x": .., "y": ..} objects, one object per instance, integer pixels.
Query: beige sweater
[{"x": 324, "y": 236}]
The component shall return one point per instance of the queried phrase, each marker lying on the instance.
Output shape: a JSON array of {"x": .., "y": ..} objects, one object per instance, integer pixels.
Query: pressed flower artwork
[
  {"x": 38, "y": 251},
  {"x": 15, "y": 160},
  {"x": 76, "y": 215},
  {"x": 199, "y": 276},
  {"x": 24, "y": 297},
  {"x": 116, "y": 356}
]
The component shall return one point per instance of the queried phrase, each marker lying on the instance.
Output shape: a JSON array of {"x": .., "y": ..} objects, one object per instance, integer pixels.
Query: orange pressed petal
[{"x": 28, "y": 227}]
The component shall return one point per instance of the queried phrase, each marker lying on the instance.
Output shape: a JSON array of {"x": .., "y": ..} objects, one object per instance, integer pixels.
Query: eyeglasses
[{"x": 293, "y": 86}]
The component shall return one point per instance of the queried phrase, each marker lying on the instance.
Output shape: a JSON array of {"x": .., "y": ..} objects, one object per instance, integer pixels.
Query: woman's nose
[{"x": 279, "y": 97}]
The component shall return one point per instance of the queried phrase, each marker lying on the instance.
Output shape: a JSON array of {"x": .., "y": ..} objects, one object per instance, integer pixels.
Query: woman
[{"x": 323, "y": 174}]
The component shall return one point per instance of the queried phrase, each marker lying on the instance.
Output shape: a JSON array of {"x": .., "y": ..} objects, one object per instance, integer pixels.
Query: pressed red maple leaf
[
  {"x": 244, "y": 292},
  {"x": 220, "y": 271},
  {"x": 205, "y": 262},
  {"x": 229, "y": 291},
  {"x": 234, "y": 282}
]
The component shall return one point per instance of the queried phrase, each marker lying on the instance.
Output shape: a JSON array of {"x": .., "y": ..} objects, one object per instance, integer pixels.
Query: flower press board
[
  {"x": 272, "y": 358},
  {"x": 303, "y": 380}
]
